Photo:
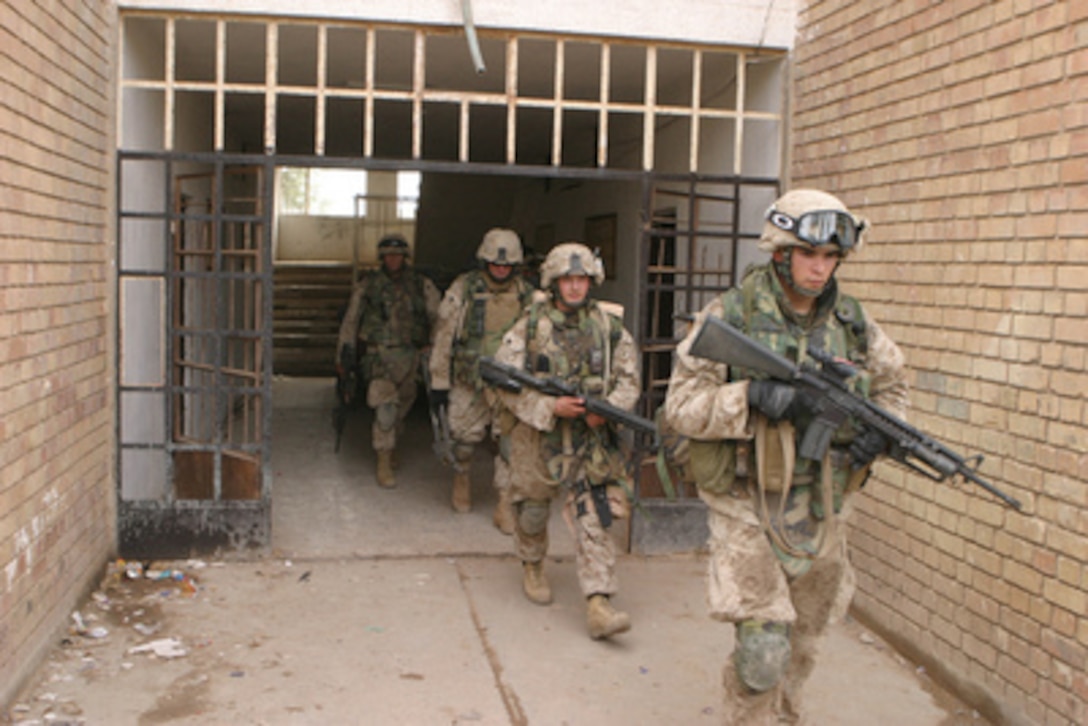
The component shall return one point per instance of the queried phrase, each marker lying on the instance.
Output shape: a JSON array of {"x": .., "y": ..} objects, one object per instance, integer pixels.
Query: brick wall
[
  {"x": 960, "y": 129},
  {"x": 56, "y": 412}
]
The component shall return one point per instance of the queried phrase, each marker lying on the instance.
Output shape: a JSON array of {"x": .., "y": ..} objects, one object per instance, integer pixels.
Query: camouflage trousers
[
  {"x": 391, "y": 401},
  {"x": 531, "y": 482},
  {"x": 747, "y": 581},
  {"x": 472, "y": 416}
]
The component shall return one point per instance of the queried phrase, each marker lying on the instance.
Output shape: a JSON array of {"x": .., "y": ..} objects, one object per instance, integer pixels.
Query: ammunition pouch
[{"x": 713, "y": 465}]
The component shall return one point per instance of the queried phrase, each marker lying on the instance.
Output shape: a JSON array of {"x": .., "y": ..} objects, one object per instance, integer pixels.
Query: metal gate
[
  {"x": 699, "y": 235},
  {"x": 194, "y": 337}
]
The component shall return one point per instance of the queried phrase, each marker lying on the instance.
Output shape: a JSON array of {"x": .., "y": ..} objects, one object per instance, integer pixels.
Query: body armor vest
[
  {"x": 489, "y": 309},
  {"x": 576, "y": 348},
  {"x": 395, "y": 311},
  {"x": 836, "y": 326}
]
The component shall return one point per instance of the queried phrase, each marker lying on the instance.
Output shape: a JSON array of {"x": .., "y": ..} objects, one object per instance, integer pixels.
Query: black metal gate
[
  {"x": 698, "y": 236},
  {"x": 194, "y": 351}
]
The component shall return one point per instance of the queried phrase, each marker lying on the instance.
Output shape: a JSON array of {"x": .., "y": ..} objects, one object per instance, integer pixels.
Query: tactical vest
[
  {"x": 577, "y": 350},
  {"x": 837, "y": 326},
  {"x": 395, "y": 311},
  {"x": 488, "y": 311}
]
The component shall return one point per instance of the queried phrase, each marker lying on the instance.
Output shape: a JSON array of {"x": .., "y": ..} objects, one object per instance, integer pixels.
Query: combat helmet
[
  {"x": 500, "y": 247},
  {"x": 570, "y": 258},
  {"x": 393, "y": 244},
  {"x": 810, "y": 218}
]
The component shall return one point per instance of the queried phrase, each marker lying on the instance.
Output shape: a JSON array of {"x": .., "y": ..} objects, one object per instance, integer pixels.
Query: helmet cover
[
  {"x": 571, "y": 258},
  {"x": 500, "y": 247}
]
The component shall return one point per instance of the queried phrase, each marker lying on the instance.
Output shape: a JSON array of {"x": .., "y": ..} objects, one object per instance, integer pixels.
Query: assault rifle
[
  {"x": 346, "y": 391},
  {"x": 824, "y": 391},
  {"x": 512, "y": 379},
  {"x": 440, "y": 419}
]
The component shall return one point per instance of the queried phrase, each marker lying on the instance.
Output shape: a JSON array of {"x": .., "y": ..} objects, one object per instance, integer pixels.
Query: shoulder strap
[
  {"x": 849, "y": 313},
  {"x": 535, "y": 307},
  {"x": 747, "y": 291}
]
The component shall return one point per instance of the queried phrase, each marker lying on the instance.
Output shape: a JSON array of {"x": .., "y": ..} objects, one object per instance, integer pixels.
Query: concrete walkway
[{"x": 384, "y": 607}]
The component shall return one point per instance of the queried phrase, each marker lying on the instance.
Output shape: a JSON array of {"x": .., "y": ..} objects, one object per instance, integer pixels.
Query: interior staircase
[{"x": 307, "y": 304}]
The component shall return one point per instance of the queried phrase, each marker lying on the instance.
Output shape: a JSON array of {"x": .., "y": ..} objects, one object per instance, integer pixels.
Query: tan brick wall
[
  {"x": 960, "y": 129},
  {"x": 57, "y": 488}
]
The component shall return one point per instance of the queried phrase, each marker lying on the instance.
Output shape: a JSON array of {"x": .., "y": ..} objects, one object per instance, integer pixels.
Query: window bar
[
  {"x": 738, "y": 137},
  {"x": 271, "y": 62},
  {"x": 321, "y": 100},
  {"x": 602, "y": 114},
  {"x": 651, "y": 102},
  {"x": 557, "y": 112},
  {"x": 220, "y": 78},
  {"x": 168, "y": 89},
  {"x": 119, "y": 104},
  {"x": 462, "y": 149},
  {"x": 696, "y": 101},
  {"x": 418, "y": 73},
  {"x": 368, "y": 114},
  {"x": 511, "y": 99}
]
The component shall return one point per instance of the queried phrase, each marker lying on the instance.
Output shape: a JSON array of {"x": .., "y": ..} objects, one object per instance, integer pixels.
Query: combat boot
[
  {"x": 536, "y": 584},
  {"x": 385, "y": 469},
  {"x": 461, "y": 497},
  {"x": 604, "y": 620},
  {"x": 504, "y": 513}
]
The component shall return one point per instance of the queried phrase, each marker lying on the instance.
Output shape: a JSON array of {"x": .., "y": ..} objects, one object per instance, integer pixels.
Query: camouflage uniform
[
  {"x": 778, "y": 570},
  {"x": 589, "y": 349},
  {"x": 388, "y": 322},
  {"x": 475, "y": 312}
]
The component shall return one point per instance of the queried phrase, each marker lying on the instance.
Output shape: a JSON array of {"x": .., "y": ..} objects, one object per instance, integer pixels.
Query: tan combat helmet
[
  {"x": 811, "y": 218},
  {"x": 500, "y": 247},
  {"x": 570, "y": 258}
]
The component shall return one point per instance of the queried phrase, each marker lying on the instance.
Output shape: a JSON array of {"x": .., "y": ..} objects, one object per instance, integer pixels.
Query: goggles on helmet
[{"x": 820, "y": 227}]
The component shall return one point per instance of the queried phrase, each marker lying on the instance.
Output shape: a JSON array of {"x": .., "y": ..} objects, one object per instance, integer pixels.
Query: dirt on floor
[
  {"x": 423, "y": 641},
  {"x": 383, "y": 606}
]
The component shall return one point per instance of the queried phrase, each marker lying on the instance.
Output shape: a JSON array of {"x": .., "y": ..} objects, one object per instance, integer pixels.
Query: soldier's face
[
  {"x": 812, "y": 267},
  {"x": 499, "y": 272},
  {"x": 573, "y": 290},
  {"x": 393, "y": 262}
]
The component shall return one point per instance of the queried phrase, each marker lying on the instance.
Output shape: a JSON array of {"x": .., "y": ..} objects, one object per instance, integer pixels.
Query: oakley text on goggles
[{"x": 820, "y": 227}]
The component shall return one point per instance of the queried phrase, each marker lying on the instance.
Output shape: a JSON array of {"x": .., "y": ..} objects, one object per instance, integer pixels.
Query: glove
[
  {"x": 439, "y": 398},
  {"x": 773, "y": 399},
  {"x": 866, "y": 446}
]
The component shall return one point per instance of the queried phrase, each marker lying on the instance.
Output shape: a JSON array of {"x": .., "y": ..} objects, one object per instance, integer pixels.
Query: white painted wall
[{"x": 751, "y": 23}]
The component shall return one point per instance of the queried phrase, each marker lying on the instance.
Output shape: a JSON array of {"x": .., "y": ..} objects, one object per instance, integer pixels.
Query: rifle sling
[{"x": 778, "y": 534}]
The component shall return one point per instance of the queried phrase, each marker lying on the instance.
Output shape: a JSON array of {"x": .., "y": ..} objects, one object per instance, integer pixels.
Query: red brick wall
[
  {"x": 56, "y": 411},
  {"x": 960, "y": 129}
]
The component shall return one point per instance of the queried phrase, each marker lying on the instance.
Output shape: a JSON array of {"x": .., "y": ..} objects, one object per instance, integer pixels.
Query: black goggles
[{"x": 820, "y": 228}]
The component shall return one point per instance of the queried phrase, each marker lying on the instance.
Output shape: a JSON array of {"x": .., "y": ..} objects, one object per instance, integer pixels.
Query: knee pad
[
  {"x": 533, "y": 516},
  {"x": 385, "y": 416},
  {"x": 762, "y": 653}
]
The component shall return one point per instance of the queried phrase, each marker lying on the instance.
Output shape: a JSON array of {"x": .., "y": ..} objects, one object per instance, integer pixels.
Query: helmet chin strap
[{"x": 785, "y": 273}]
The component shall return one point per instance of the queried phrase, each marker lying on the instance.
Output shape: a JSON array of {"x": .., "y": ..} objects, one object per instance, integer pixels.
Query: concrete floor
[{"x": 385, "y": 607}]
